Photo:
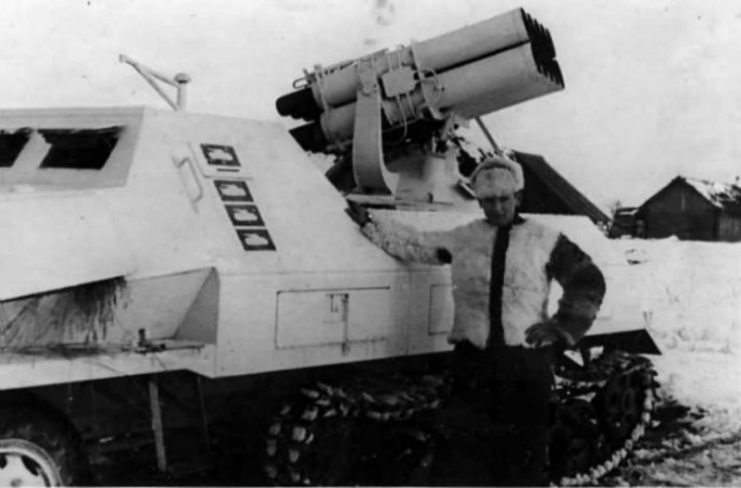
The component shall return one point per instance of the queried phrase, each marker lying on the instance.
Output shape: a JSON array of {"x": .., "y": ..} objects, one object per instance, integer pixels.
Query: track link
[
  {"x": 600, "y": 412},
  {"x": 307, "y": 440},
  {"x": 616, "y": 394}
]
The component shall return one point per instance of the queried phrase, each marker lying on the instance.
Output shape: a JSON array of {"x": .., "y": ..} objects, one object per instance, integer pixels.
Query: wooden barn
[
  {"x": 693, "y": 209},
  {"x": 546, "y": 191}
]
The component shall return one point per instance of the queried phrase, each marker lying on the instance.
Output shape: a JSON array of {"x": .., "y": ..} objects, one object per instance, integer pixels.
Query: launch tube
[
  {"x": 472, "y": 42},
  {"x": 497, "y": 82},
  {"x": 471, "y": 90},
  {"x": 337, "y": 85}
]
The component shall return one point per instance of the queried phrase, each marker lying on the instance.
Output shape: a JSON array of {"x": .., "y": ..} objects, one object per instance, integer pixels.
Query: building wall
[
  {"x": 729, "y": 228},
  {"x": 538, "y": 198},
  {"x": 678, "y": 210}
]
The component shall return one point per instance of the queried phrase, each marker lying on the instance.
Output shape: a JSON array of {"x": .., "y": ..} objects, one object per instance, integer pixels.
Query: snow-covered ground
[{"x": 692, "y": 300}]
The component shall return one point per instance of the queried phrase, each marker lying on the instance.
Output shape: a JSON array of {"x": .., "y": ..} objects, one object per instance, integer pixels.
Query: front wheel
[{"x": 39, "y": 448}]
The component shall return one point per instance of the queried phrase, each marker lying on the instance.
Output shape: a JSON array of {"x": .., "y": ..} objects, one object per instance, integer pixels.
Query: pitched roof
[
  {"x": 565, "y": 191},
  {"x": 725, "y": 196}
]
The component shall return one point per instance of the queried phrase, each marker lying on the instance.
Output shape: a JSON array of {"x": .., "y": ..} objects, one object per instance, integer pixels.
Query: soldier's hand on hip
[{"x": 542, "y": 333}]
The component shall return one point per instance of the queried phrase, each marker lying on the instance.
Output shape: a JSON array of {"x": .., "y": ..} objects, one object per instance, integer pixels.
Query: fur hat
[{"x": 497, "y": 175}]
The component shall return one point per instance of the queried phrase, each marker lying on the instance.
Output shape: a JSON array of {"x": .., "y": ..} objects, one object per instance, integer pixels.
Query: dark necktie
[{"x": 496, "y": 283}]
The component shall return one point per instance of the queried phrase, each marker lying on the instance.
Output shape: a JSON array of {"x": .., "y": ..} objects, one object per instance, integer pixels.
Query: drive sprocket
[{"x": 619, "y": 390}]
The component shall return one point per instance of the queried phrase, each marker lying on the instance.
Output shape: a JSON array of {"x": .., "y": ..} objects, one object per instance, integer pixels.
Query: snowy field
[{"x": 692, "y": 300}]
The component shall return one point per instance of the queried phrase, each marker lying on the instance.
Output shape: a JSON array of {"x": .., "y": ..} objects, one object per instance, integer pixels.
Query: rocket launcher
[{"x": 463, "y": 74}]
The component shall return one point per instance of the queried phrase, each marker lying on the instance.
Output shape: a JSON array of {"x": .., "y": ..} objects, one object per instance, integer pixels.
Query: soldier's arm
[
  {"x": 583, "y": 289},
  {"x": 406, "y": 243}
]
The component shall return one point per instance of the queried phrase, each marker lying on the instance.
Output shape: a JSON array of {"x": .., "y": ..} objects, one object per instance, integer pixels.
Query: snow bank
[
  {"x": 692, "y": 300},
  {"x": 692, "y": 292}
]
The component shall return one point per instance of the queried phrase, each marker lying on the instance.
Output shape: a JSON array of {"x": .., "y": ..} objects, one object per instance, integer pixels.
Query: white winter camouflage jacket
[{"x": 535, "y": 255}]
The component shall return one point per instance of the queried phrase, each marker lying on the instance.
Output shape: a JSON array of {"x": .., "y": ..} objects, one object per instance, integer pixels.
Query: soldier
[{"x": 501, "y": 268}]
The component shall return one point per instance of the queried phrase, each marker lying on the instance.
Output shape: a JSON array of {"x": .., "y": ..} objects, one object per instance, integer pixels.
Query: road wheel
[
  {"x": 310, "y": 441},
  {"x": 620, "y": 404},
  {"x": 38, "y": 447},
  {"x": 576, "y": 440}
]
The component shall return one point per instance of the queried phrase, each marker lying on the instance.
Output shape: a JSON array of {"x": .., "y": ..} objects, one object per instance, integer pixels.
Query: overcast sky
[{"x": 653, "y": 88}]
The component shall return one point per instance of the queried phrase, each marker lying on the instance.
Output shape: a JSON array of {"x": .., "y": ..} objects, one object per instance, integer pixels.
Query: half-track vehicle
[{"x": 185, "y": 293}]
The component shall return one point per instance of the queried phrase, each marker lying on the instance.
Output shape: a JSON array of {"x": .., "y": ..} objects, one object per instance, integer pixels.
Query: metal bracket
[
  {"x": 497, "y": 149},
  {"x": 179, "y": 81},
  {"x": 369, "y": 167},
  {"x": 398, "y": 81}
]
